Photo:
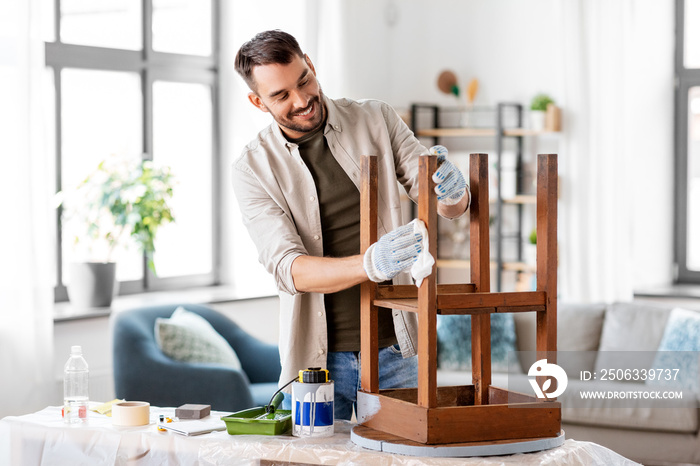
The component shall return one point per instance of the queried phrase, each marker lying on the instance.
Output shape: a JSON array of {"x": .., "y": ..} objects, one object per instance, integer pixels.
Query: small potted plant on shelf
[
  {"x": 538, "y": 110},
  {"x": 121, "y": 204}
]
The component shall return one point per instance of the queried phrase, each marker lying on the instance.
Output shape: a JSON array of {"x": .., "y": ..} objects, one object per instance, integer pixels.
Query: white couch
[{"x": 592, "y": 338}]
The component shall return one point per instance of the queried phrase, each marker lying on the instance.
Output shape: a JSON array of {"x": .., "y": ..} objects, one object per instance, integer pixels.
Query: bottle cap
[
  {"x": 313, "y": 375},
  {"x": 77, "y": 349}
]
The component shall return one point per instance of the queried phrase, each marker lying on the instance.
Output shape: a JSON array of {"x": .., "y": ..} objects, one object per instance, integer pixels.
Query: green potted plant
[
  {"x": 538, "y": 110},
  {"x": 120, "y": 204}
]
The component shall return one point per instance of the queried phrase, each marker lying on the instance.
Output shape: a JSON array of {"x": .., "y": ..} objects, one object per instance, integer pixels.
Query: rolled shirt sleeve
[{"x": 269, "y": 226}]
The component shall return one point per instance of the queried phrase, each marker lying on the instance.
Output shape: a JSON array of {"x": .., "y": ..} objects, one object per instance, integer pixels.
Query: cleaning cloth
[{"x": 423, "y": 265}]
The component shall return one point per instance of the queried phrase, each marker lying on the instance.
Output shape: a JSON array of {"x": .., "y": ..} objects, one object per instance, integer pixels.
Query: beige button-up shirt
[{"x": 280, "y": 209}]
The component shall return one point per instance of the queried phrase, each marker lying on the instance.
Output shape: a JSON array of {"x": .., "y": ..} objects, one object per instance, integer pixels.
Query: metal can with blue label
[{"x": 312, "y": 404}]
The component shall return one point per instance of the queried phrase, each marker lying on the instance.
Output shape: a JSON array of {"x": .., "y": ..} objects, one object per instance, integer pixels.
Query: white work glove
[
  {"x": 393, "y": 253},
  {"x": 451, "y": 185}
]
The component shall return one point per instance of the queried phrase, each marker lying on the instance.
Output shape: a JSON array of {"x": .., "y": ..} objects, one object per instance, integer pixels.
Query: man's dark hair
[{"x": 266, "y": 48}]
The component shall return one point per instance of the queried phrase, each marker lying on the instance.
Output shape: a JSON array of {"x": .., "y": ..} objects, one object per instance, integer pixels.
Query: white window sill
[
  {"x": 64, "y": 311},
  {"x": 676, "y": 290}
]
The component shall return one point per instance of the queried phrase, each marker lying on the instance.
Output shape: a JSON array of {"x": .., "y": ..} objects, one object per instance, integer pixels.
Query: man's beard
[{"x": 303, "y": 127}]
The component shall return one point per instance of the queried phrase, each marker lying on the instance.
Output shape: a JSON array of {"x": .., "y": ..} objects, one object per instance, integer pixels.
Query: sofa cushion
[
  {"x": 673, "y": 415},
  {"x": 631, "y": 326},
  {"x": 188, "y": 337},
  {"x": 665, "y": 415},
  {"x": 578, "y": 331},
  {"x": 454, "y": 341},
  {"x": 677, "y": 357}
]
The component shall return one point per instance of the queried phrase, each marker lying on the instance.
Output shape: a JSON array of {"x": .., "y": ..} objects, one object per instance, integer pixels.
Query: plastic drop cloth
[{"x": 42, "y": 439}]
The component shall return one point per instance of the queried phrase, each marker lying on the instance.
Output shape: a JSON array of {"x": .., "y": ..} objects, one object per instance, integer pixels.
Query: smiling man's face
[{"x": 291, "y": 94}]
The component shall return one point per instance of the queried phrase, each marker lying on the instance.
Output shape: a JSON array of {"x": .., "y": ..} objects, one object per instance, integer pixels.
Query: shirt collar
[
  {"x": 279, "y": 135},
  {"x": 332, "y": 120}
]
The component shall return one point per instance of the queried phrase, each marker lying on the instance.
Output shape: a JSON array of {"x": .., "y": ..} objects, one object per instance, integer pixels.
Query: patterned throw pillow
[
  {"x": 454, "y": 334},
  {"x": 188, "y": 337},
  {"x": 679, "y": 351}
]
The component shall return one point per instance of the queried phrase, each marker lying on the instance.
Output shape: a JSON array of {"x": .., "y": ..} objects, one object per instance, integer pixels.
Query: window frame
[
  {"x": 686, "y": 78},
  {"x": 151, "y": 66}
]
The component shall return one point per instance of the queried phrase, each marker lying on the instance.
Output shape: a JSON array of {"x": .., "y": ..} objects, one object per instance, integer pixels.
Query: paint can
[{"x": 312, "y": 404}]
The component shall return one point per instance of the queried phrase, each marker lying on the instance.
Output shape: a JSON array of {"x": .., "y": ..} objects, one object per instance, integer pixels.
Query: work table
[{"x": 43, "y": 438}]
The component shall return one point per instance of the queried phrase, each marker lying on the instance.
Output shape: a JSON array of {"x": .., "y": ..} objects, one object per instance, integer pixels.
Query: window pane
[
  {"x": 182, "y": 26},
  {"x": 105, "y": 23},
  {"x": 691, "y": 41},
  {"x": 693, "y": 212},
  {"x": 182, "y": 138},
  {"x": 48, "y": 16},
  {"x": 101, "y": 117}
]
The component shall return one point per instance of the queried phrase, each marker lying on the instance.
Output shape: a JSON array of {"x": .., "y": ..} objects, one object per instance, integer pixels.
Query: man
[{"x": 297, "y": 187}]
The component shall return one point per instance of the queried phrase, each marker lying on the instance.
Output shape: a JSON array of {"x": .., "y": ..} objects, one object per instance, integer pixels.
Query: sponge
[{"x": 190, "y": 411}]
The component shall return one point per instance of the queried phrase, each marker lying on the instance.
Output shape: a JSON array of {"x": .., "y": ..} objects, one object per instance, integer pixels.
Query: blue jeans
[{"x": 344, "y": 370}]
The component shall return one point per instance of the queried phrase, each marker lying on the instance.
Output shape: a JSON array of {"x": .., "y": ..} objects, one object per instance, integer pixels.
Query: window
[
  {"x": 139, "y": 79},
  {"x": 687, "y": 247}
]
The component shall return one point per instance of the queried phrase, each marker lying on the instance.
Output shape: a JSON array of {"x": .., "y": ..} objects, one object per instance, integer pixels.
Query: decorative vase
[{"x": 92, "y": 284}]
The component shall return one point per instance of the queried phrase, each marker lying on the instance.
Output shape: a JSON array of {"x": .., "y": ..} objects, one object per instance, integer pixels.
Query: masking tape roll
[{"x": 131, "y": 413}]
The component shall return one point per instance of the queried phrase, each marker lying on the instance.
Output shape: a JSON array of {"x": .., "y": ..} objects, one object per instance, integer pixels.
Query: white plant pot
[
  {"x": 530, "y": 254},
  {"x": 92, "y": 284},
  {"x": 537, "y": 118}
]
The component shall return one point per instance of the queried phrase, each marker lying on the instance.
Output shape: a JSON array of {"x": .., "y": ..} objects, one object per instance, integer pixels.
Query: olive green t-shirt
[{"x": 339, "y": 202}]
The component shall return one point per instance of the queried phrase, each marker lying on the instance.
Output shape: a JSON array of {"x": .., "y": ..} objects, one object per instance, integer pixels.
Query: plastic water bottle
[{"x": 75, "y": 387}]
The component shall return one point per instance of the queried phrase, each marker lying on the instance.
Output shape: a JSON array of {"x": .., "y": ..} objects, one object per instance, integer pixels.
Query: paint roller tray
[{"x": 247, "y": 422}]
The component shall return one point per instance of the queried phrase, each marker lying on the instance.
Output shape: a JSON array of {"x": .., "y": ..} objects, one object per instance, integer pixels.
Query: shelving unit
[{"x": 501, "y": 132}]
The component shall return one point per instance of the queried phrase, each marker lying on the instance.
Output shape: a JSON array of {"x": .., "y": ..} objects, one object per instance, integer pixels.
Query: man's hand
[
  {"x": 451, "y": 185},
  {"x": 393, "y": 253}
]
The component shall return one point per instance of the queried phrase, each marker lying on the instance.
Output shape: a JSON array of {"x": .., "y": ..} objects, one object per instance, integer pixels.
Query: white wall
[
  {"x": 653, "y": 144},
  {"x": 507, "y": 45}
]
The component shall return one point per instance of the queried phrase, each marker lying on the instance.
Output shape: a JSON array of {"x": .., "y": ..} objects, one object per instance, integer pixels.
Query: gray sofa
[{"x": 594, "y": 338}]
